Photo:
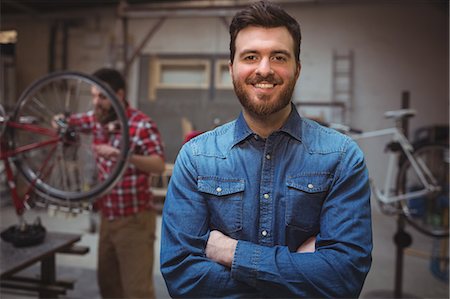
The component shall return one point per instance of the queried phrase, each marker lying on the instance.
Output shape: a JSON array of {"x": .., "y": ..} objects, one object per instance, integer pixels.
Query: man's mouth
[{"x": 264, "y": 85}]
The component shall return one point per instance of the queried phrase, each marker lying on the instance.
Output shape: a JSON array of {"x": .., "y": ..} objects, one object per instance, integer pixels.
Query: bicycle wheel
[
  {"x": 429, "y": 213},
  {"x": 56, "y": 157}
]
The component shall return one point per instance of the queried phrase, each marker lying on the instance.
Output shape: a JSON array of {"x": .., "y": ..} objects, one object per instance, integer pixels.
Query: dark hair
[
  {"x": 111, "y": 77},
  {"x": 267, "y": 15}
]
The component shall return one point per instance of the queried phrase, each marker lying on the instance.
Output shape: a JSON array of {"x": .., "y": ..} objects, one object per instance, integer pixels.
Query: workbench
[{"x": 14, "y": 259}]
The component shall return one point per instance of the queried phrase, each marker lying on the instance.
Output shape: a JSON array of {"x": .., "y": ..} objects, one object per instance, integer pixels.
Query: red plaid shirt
[{"x": 132, "y": 192}]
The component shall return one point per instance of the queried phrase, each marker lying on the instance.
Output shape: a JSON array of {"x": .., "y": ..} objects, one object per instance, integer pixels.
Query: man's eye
[
  {"x": 279, "y": 58},
  {"x": 102, "y": 97},
  {"x": 250, "y": 57}
]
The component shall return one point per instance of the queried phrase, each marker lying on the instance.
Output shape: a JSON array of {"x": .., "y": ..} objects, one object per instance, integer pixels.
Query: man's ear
[
  {"x": 230, "y": 68},
  {"x": 121, "y": 95},
  {"x": 298, "y": 69}
]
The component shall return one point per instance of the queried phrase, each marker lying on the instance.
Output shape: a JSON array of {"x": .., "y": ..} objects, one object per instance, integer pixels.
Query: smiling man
[{"x": 271, "y": 204}]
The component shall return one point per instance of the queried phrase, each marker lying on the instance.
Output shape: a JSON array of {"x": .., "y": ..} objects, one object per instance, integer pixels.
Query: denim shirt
[{"x": 270, "y": 194}]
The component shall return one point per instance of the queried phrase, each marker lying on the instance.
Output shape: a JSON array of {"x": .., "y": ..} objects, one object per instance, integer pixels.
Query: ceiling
[
  {"x": 10, "y": 7},
  {"x": 43, "y": 7}
]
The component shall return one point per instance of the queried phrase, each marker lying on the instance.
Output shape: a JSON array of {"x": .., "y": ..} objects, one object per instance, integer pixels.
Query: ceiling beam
[
  {"x": 194, "y": 8},
  {"x": 21, "y": 7}
]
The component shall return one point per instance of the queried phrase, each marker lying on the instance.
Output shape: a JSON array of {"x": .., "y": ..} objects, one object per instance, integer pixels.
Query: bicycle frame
[
  {"x": 426, "y": 178},
  {"x": 6, "y": 154}
]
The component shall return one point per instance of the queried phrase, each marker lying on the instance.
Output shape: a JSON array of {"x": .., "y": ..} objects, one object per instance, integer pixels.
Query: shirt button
[
  {"x": 310, "y": 186},
  {"x": 264, "y": 233},
  {"x": 218, "y": 189},
  {"x": 266, "y": 196},
  {"x": 268, "y": 156}
]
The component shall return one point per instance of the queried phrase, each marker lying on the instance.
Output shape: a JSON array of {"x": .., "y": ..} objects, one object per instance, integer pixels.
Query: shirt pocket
[
  {"x": 224, "y": 199},
  {"x": 304, "y": 199}
]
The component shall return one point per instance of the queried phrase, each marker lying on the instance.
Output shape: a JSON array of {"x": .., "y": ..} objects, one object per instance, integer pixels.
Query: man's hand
[
  {"x": 106, "y": 151},
  {"x": 220, "y": 248},
  {"x": 58, "y": 120},
  {"x": 308, "y": 246}
]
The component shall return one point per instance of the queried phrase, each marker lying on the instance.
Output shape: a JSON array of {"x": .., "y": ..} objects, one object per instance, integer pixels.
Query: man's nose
[
  {"x": 264, "y": 68},
  {"x": 95, "y": 100}
]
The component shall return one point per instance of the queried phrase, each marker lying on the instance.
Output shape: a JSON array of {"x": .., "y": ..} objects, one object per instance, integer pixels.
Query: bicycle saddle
[
  {"x": 399, "y": 114},
  {"x": 24, "y": 234}
]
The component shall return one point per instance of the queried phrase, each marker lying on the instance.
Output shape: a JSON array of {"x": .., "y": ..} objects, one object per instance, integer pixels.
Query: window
[
  {"x": 178, "y": 73},
  {"x": 223, "y": 77},
  {"x": 8, "y": 37},
  {"x": 8, "y": 40},
  {"x": 182, "y": 76},
  {"x": 182, "y": 73}
]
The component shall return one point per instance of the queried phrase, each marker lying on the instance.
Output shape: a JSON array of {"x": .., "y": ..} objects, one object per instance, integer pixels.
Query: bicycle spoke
[
  {"x": 33, "y": 138},
  {"x": 67, "y": 100},
  {"x": 41, "y": 110},
  {"x": 88, "y": 170},
  {"x": 58, "y": 172},
  {"x": 50, "y": 111},
  {"x": 42, "y": 172},
  {"x": 62, "y": 169},
  {"x": 72, "y": 91}
]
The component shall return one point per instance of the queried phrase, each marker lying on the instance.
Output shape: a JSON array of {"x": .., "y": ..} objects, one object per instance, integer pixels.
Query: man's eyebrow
[
  {"x": 251, "y": 51},
  {"x": 284, "y": 52},
  {"x": 248, "y": 51}
]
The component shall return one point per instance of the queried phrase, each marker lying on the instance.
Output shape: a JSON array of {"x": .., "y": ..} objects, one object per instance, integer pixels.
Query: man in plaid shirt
[{"x": 127, "y": 230}]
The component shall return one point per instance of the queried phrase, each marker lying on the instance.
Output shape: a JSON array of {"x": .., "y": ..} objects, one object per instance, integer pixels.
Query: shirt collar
[
  {"x": 291, "y": 126},
  {"x": 242, "y": 130}
]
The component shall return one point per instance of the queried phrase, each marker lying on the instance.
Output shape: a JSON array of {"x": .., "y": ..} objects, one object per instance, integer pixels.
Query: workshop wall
[{"x": 396, "y": 46}]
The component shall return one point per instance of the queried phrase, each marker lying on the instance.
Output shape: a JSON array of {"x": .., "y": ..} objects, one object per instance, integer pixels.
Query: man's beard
[
  {"x": 263, "y": 108},
  {"x": 105, "y": 116}
]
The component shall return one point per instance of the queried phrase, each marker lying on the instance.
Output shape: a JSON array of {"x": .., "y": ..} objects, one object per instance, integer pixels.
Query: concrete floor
[{"x": 418, "y": 282}]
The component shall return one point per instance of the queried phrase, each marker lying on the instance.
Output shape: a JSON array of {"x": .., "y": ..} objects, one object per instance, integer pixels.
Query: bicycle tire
[
  {"x": 427, "y": 214},
  {"x": 68, "y": 93}
]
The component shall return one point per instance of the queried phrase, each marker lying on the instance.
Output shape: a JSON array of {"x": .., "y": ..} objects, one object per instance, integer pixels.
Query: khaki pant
[{"x": 125, "y": 256}]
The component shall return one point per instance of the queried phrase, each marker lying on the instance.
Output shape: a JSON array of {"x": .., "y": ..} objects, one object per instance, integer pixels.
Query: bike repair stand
[{"x": 402, "y": 239}]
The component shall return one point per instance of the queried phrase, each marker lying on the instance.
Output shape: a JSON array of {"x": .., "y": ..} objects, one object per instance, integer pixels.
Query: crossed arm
[{"x": 220, "y": 248}]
